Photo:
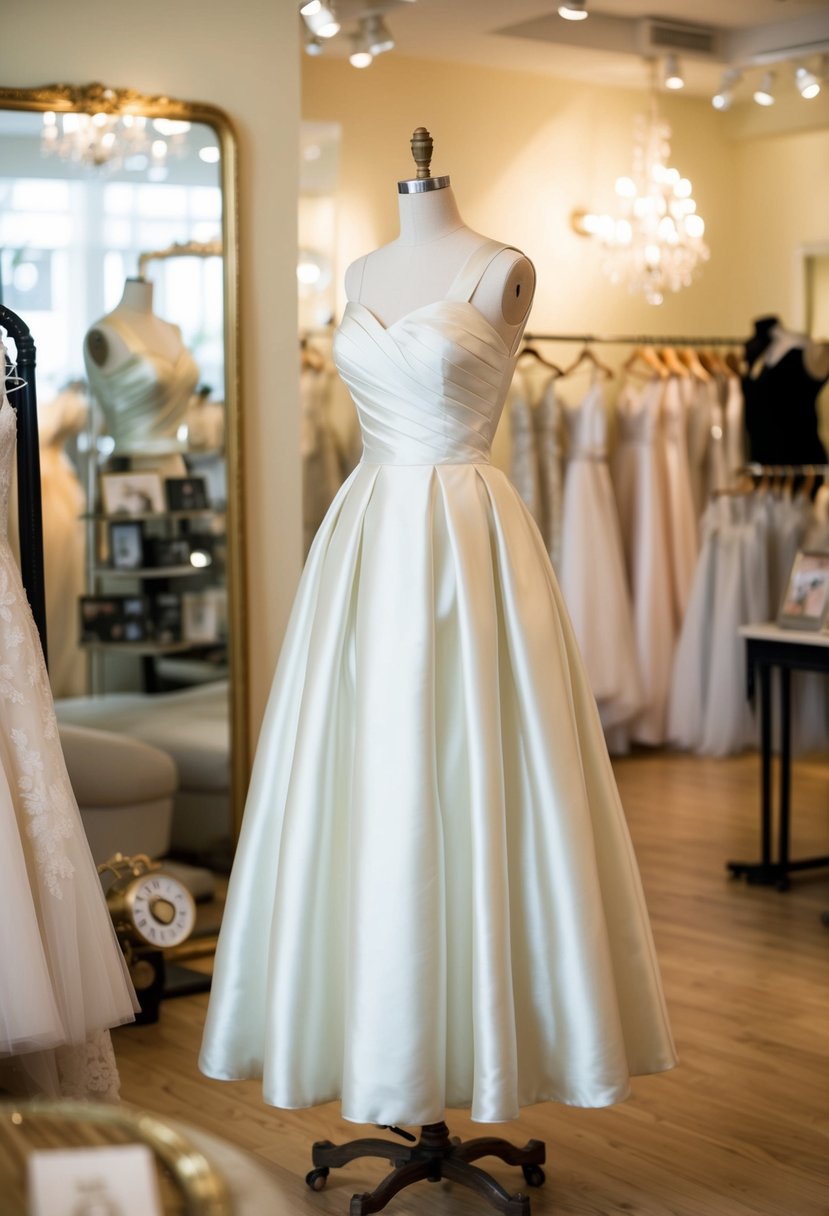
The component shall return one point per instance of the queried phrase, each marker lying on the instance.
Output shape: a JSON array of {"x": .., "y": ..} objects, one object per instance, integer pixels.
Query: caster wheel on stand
[
  {"x": 533, "y": 1175},
  {"x": 316, "y": 1179}
]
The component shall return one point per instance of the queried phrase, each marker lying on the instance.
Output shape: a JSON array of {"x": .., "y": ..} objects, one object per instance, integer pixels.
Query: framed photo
[
  {"x": 126, "y": 544},
  {"x": 169, "y": 551},
  {"x": 199, "y": 617},
  {"x": 114, "y": 618},
  {"x": 138, "y": 493},
  {"x": 166, "y": 611},
  {"x": 186, "y": 493},
  {"x": 806, "y": 601}
]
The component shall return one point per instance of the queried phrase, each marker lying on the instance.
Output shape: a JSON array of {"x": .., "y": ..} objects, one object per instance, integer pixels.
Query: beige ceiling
[{"x": 527, "y": 35}]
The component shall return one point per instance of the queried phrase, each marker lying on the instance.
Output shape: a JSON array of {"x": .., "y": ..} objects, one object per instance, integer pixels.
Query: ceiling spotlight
[
  {"x": 361, "y": 56},
  {"x": 313, "y": 45},
  {"x": 808, "y": 85},
  {"x": 764, "y": 93},
  {"x": 673, "y": 78},
  {"x": 320, "y": 18},
  {"x": 724, "y": 95},
  {"x": 377, "y": 34},
  {"x": 573, "y": 10}
]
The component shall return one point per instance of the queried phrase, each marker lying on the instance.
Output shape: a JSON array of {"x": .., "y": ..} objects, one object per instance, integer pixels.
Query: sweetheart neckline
[{"x": 387, "y": 329}]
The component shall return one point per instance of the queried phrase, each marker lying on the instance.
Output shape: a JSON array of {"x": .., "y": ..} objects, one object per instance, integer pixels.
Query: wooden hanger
[
  {"x": 734, "y": 362},
  {"x": 586, "y": 356},
  {"x": 691, "y": 360},
  {"x": 648, "y": 356},
  {"x": 712, "y": 362},
  {"x": 534, "y": 353},
  {"x": 673, "y": 362}
]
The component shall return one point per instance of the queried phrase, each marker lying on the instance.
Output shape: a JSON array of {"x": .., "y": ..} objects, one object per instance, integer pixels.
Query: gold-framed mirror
[{"x": 92, "y": 177}]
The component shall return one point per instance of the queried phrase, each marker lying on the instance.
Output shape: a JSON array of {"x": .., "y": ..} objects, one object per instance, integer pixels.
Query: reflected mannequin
[{"x": 140, "y": 372}]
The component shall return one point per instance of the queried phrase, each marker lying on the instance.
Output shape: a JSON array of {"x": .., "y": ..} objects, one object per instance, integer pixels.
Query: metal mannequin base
[{"x": 434, "y": 1156}]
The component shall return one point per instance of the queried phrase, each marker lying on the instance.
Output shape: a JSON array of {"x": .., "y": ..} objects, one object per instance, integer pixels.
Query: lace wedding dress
[
  {"x": 434, "y": 900},
  {"x": 63, "y": 980}
]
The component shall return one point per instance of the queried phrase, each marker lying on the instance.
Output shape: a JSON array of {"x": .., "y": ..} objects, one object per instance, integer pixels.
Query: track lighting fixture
[
  {"x": 573, "y": 10},
  {"x": 377, "y": 34},
  {"x": 764, "y": 93},
  {"x": 361, "y": 56},
  {"x": 724, "y": 95},
  {"x": 672, "y": 77},
  {"x": 808, "y": 85},
  {"x": 320, "y": 18}
]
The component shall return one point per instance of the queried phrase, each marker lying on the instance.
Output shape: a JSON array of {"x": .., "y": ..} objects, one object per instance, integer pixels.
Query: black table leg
[
  {"x": 785, "y": 778},
  {"x": 765, "y": 745}
]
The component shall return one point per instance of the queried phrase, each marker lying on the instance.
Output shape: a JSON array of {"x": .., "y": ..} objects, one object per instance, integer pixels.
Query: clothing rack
[
  {"x": 775, "y": 470},
  {"x": 634, "y": 340},
  {"x": 23, "y": 399}
]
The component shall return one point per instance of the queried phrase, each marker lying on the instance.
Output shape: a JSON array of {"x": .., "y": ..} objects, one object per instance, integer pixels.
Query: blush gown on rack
[
  {"x": 434, "y": 901},
  {"x": 63, "y": 980},
  {"x": 592, "y": 570}
]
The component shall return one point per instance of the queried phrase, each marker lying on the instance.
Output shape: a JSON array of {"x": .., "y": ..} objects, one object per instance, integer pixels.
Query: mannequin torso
[
  {"x": 419, "y": 266},
  {"x": 107, "y": 342},
  {"x": 140, "y": 372}
]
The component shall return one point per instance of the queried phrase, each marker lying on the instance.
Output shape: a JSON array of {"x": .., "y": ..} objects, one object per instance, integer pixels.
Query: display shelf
[
  {"x": 150, "y": 571},
  {"x": 150, "y": 647},
  {"x": 123, "y": 517}
]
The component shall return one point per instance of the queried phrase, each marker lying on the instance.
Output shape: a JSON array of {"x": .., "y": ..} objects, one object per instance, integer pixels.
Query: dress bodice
[
  {"x": 781, "y": 413},
  {"x": 639, "y": 412},
  {"x": 429, "y": 389},
  {"x": 145, "y": 398},
  {"x": 586, "y": 426}
]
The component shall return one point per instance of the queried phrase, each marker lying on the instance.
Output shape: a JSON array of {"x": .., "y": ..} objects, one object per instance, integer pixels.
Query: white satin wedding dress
[
  {"x": 434, "y": 901},
  {"x": 63, "y": 980}
]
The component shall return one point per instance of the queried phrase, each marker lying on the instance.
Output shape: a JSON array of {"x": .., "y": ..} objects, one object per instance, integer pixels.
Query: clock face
[{"x": 163, "y": 911}]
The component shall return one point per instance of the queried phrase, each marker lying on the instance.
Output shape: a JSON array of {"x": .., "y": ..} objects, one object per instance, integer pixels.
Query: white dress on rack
[
  {"x": 638, "y": 476},
  {"x": 681, "y": 518},
  {"x": 535, "y": 466},
  {"x": 592, "y": 572},
  {"x": 63, "y": 980},
  {"x": 434, "y": 900}
]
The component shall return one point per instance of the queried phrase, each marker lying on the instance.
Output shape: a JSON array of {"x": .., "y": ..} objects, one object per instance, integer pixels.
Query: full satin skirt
[{"x": 434, "y": 901}]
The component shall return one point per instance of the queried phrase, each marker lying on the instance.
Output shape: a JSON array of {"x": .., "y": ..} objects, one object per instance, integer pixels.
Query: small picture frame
[
  {"x": 168, "y": 551},
  {"x": 806, "y": 600},
  {"x": 166, "y": 613},
  {"x": 139, "y": 493},
  {"x": 186, "y": 493},
  {"x": 126, "y": 544},
  {"x": 114, "y": 618}
]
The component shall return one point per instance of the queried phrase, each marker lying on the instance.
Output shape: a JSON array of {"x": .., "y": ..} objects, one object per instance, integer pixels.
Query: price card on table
[{"x": 114, "y": 1180}]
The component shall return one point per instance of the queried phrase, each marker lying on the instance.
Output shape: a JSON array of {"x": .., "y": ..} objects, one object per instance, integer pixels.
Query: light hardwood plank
[{"x": 740, "y": 1128}]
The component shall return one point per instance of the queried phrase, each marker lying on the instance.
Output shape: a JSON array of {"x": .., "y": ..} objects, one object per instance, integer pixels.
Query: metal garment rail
[
  {"x": 634, "y": 339},
  {"x": 23, "y": 399}
]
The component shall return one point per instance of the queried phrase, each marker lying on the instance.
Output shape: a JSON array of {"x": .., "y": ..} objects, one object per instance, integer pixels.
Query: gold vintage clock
[{"x": 148, "y": 906}]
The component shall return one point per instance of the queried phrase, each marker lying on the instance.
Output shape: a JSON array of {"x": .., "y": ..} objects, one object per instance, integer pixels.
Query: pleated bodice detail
[{"x": 430, "y": 388}]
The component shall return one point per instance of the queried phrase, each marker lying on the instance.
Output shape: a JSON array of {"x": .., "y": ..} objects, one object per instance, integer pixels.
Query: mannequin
[
  {"x": 141, "y": 373},
  {"x": 419, "y": 917},
  {"x": 786, "y": 372},
  {"x": 434, "y": 242}
]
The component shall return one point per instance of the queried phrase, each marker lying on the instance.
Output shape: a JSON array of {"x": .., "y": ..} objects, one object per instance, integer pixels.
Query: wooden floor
[{"x": 740, "y": 1128}]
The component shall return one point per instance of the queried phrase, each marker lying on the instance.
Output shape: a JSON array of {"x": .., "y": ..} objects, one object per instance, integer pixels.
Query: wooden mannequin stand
[{"x": 434, "y": 1156}]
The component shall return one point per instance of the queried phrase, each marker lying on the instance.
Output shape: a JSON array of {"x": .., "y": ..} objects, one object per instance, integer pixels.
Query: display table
[{"x": 769, "y": 646}]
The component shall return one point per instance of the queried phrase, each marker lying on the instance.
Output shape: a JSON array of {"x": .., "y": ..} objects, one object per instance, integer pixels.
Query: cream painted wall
[
  {"x": 243, "y": 58},
  {"x": 523, "y": 151}
]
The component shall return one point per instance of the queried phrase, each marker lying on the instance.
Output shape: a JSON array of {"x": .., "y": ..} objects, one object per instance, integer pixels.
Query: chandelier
[
  {"x": 114, "y": 140},
  {"x": 654, "y": 242}
]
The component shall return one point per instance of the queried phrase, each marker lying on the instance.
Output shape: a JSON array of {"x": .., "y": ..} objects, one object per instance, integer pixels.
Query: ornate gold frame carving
[{"x": 96, "y": 98}]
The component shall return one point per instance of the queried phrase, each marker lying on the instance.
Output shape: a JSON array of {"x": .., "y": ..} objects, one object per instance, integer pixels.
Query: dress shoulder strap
[{"x": 473, "y": 270}]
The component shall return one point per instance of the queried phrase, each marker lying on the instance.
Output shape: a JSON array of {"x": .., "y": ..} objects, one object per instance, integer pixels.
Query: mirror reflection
[{"x": 111, "y": 250}]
